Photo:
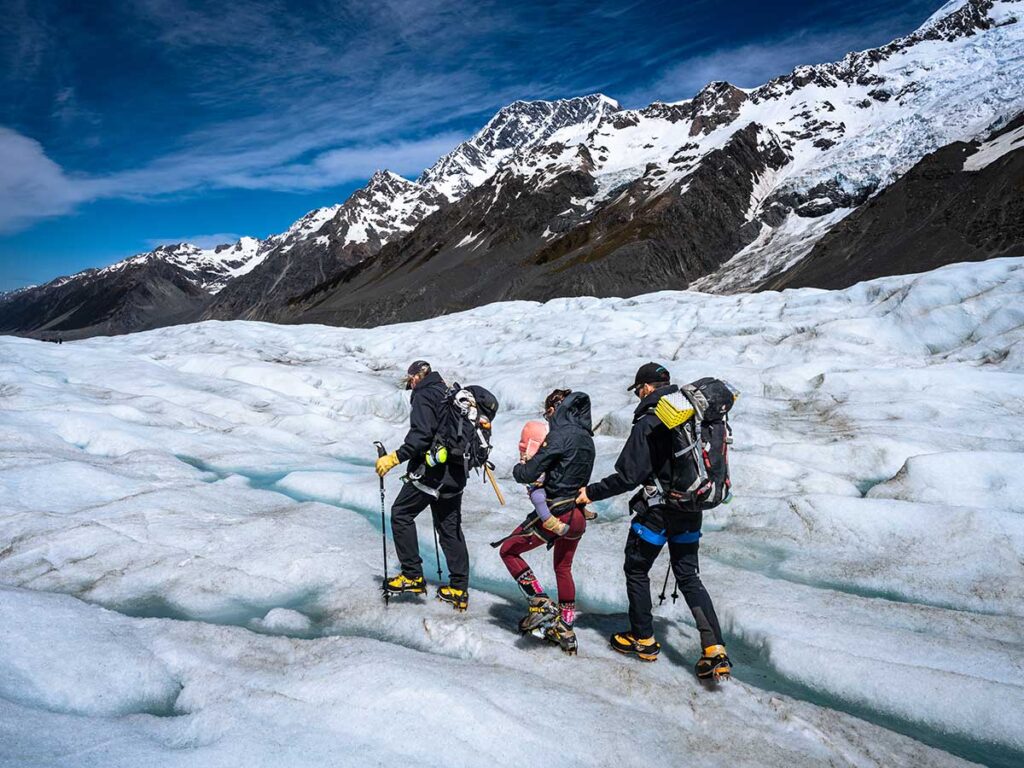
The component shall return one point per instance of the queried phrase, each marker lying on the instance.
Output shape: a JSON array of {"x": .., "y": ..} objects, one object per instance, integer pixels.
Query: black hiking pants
[
  {"x": 648, "y": 534},
  {"x": 447, "y": 514}
]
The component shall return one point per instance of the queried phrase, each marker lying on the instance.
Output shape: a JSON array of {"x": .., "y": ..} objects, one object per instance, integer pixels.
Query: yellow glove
[
  {"x": 555, "y": 526},
  {"x": 386, "y": 463}
]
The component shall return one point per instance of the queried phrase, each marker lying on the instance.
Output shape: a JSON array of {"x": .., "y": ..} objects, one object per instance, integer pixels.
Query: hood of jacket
[{"x": 573, "y": 411}]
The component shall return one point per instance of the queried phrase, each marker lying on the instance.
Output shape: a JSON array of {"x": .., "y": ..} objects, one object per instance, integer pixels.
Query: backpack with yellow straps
[{"x": 698, "y": 416}]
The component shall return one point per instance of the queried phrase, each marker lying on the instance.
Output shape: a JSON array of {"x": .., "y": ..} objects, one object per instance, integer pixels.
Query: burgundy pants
[{"x": 563, "y": 551}]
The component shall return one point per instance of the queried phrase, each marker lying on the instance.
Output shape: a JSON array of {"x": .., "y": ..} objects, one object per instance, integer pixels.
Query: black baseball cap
[
  {"x": 650, "y": 373},
  {"x": 420, "y": 366}
]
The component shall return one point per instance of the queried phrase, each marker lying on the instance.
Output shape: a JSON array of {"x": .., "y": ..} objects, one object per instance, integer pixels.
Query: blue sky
[{"x": 128, "y": 124}]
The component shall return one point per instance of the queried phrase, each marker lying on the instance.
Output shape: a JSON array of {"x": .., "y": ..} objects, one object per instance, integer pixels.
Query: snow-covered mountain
[
  {"x": 724, "y": 191},
  {"x": 191, "y": 541},
  {"x": 387, "y": 206},
  {"x": 170, "y": 284},
  {"x": 330, "y": 240},
  {"x": 256, "y": 279},
  {"x": 212, "y": 268},
  {"x": 324, "y": 242},
  {"x": 519, "y": 127}
]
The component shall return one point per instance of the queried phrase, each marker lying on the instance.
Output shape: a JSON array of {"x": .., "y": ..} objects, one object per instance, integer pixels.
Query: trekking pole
[
  {"x": 383, "y": 529},
  {"x": 661, "y": 597},
  {"x": 437, "y": 555}
]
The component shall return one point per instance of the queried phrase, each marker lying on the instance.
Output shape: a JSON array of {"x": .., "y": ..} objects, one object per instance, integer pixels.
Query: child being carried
[{"x": 530, "y": 441}]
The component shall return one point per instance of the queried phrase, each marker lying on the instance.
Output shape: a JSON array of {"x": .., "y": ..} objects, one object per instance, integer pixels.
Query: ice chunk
[
  {"x": 985, "y": 479},
  {"x": 283, "y": 621},
  {"x": 53, "y": 659}
]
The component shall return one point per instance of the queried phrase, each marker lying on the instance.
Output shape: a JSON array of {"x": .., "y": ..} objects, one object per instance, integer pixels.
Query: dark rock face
[
  {"x": 459, "y": 257},
  {"x": 822, "y": 198},
  {"x": 658, "y": 110},
  {"x": 501, "y": 242},
  {"x": 937, "y": 214},
  {"x": 717, "y": 104},
  {"x": 138, "y": 297},
  {"x": 647, "y": 240}
]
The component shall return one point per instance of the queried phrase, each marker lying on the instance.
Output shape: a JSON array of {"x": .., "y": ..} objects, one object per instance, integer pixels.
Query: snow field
[{"x": 190, "y": 540}]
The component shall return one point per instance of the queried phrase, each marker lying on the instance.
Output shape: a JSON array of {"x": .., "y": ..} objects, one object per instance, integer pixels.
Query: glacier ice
[{"x": 190, "y": 540}]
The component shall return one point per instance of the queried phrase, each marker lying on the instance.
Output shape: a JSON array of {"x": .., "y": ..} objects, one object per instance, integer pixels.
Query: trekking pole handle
[{"x": 381, "y": 450}]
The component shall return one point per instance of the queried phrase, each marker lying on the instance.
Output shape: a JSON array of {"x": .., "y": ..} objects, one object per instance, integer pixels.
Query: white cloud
[
  {"x": 300, "y": 102},
  {"x": 406, "y": 158},
  {"x": 323, "y": 106},
  {"x": 32, "y": 186}
]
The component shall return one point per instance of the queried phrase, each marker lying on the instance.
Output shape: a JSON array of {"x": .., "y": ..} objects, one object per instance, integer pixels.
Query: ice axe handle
[{"x": 494, "y": 484}]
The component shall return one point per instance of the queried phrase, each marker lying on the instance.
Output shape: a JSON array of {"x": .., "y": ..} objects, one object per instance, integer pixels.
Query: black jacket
[
  {"x": 646, "y": 454},
  {"x": 428, "y": 405},
  {"x": 566, "y": 458}
]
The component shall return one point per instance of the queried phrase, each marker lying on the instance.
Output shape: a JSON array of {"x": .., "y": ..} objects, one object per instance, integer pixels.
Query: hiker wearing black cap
[
  {"x": 646, "y": 460},
  {"x": 428, "y": 483}
]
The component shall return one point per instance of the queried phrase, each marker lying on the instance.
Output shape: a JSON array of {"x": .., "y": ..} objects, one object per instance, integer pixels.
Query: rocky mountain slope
[
  {"x": 636, "y": 241},
  {"x": 323, "y": 242},
  {"x": 135, "y": 297},
  {"x": 726, "y": 191},
  {"x": 169, "y": 285}
]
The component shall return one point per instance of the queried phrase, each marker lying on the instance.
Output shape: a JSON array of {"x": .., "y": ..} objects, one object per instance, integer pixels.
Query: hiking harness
[{"x": 530, "y": 526}]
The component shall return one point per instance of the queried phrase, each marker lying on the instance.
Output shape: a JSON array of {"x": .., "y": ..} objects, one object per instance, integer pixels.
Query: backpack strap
[
  {"x": 697, "y": 452},
  {"x": 697, "y": 400}
]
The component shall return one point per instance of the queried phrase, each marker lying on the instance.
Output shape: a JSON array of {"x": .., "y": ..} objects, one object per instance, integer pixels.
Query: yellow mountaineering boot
[
  {"x": 644, "y": 648},
  {"x": 402, "y": 583},
  {"x": 459, "y": 598},
  {"x": 714, "y": 664}
]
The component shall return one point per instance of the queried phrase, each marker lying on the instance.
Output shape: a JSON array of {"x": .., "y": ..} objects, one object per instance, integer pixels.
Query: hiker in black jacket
[
  {"x": 563, "y": 462},
  {"x": 438, "y": 485},
  {"x": 646, "y": 460}
]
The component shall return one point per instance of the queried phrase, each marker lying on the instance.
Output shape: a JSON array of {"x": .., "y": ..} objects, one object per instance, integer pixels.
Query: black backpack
[
  {"x": 698, "y": 416},
  {"x": 464, "y": 430}
]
